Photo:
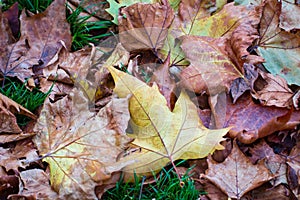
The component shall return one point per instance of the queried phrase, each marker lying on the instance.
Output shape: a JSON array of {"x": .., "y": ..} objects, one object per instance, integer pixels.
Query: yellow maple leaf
[{"x": 163, "y": 135}]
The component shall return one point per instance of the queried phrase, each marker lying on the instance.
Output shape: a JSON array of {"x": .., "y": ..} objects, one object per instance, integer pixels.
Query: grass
[
  {"x": 34, "y": 6},
  {"x": 166, "y": 186},
  {"x": 18, "y": 92},
  {"x": 82, "y": 29}
]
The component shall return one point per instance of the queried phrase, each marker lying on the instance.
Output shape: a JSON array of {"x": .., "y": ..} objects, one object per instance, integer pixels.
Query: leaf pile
[{"x": 216, "y": 84}]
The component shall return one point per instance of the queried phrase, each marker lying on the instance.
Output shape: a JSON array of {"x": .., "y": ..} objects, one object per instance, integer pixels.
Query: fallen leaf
[
  {"x": 35, "y": 185},
  {"x": 39, "y": 41},
  {"x": 240, "y": 176},
  {"x": 8, "y": 109},
  {"x": 12, "y": 15},
  {"x": 279, "y": 48},
  {"x": 272, "y": 90},
  {"x": 289, "y": 21},
  {"x": 163, "y": 136},
  {"x": 145, "y": 26},
  {"x": 274, "y": 162},
  {"x": 210, "y": 70},
  {"x": 16, "y": 157},
  {"x": 9, "y": 184},
  {"x": 250, "y": 121},
  {"x": 165, "y": 82},
  {"x": 78, "y": 145},
  {"x": 114, "y": 7},
  {"x": 268, "y": 192}
]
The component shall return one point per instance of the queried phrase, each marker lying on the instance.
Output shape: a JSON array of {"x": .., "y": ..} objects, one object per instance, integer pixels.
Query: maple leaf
[
  {"x": 242, "y": 177},
  {"x": 145, "y": 25},
  {"x": 274, "y": 90},
  {"x": 163, "y": 136},
  {"x": 250, "y": 121},
  {"x": 114, "y": 7},
  {"x": 80, "y": 146},
  {"x": 39, "y": 41},
  {"x": 279, "y": 48},
  {"x": 211, "y": 69}
]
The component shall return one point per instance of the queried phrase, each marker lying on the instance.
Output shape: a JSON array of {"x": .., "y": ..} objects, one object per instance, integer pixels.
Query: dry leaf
[
  {"x": 40, "y": 40},
  {"x": 289, "y": 16},
  {"x": 79, "y": 146},
  {"x": 279, "y": 48},
  {"x": 268, "y": 192},
  {"x": 163, "y": 136},
  {"x": 8, "y": 121},
  {"x": 16, "y": 157},
  {"x": 274, "y": 162},
  {"x": 211, "y": 69},
  {"x": 272, "y": 90},
  {"x": 165, "y": 82},
  {"x": 35, "y": 186},
  {"x": 144, "y": 26},
  {"x": 237, "y": 175}
]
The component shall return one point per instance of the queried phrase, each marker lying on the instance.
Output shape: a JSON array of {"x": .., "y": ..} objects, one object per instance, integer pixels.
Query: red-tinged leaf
[
  {"x": 9, "y": 184},
  {"x": 12, "y": 14},
  {"x": 165, "y": 82},
  {"x": 250, "y": 121}
]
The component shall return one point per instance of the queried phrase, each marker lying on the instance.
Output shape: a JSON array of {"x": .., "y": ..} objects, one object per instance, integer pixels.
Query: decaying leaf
[
  {"x": 39, "y": 42},
  {"x": 145, "y": 26},
  {"x": 8, "y": 109},
  {"x": 36, "y": 185},
  {"x": 250, "y": 121},
  {"x": 165, "y": 82},
  {"x": 272, "y": 90},
  {"x": 242, "y": 177},
  {"x": 289, "y": 16},
  {"x": 279, "y": 48},
  {"x": 16, "y": 157},
  {"x": 79, "y": 145},
  {"x": 162, "y": 135},
  {"x": 268, "y": 192},
  {"x": 274, "y": 162},
  {"x": 211, "y": 69},
  {"x": 114, "y": 7}
]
